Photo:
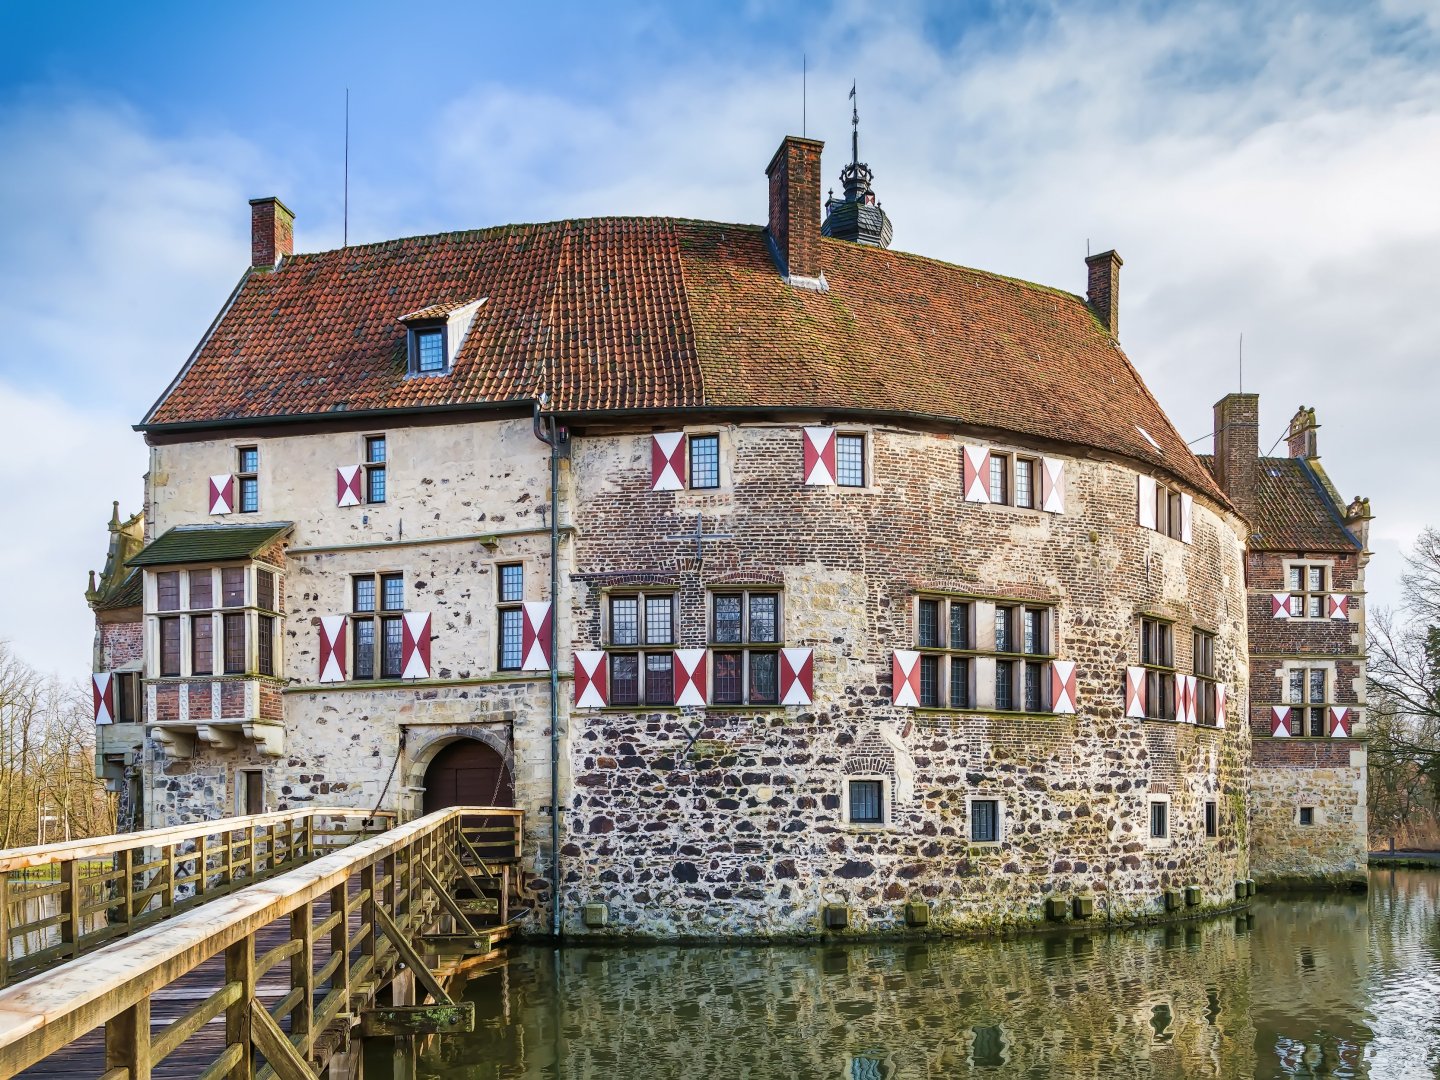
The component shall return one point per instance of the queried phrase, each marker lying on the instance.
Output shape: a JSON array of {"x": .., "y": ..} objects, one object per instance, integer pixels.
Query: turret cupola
[{"x": 857, "y": 216}]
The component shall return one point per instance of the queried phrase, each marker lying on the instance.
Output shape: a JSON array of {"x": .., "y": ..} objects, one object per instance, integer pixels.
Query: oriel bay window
[
  {"x": 1157, "y": 657},
  {"x": 377, "y": 625},
  {"x": 745, "y": 644},
  {"x": 224, "y": 621},
  {"x": 642, "y": 639}
]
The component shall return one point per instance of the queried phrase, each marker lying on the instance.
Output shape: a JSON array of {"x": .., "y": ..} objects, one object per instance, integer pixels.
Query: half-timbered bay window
[
  {"x": 641, "y": 656},
  {"x": 377, "y": 625},
  {"x": 745, "y": 648},
  {"x": 1205, "y": 695},
  {"x": 1157, "y": 657}
]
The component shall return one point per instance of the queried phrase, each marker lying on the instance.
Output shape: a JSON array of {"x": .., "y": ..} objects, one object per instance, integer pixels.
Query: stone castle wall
[{"x": 722, "y": 820}]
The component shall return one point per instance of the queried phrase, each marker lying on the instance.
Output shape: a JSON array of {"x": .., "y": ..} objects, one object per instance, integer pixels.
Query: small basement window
[
  {"x": 866, "y": 802},
  {"x": 1307, "y": 815},
  {"x": 1160, "y": 819}
]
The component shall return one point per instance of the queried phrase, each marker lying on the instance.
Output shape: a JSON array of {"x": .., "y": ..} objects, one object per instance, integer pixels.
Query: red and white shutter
[
  {"x": 1190, "y": 714},
  {"x": 347, "y": 485},
  {"x": 332, "y": 648},
  {"x": 1220, "y": 695},
  {"x": 535, "y": 636},
  {"x": 797, "y": 676},
  {"x": 905, "y": 677},
  {"x": 1337, "y": 605},
  {"x": 689, "y": 670},
  {"x": 976, "y": 476},
  {"x": 1052, "y": 485},
  {"x": 592, "y": 689},
  {"x": 415, "y": 646},
  {"x": 1280, "y": 605},
  {"x": 1340, "y": 721},
  {"x": 1062, "y": 686},
  {"x": 1280, "y": 721},
  {"x": 1187, "y": 518},
  {"x": 102, "y": 685},
  {"x": 819, "y": 456},
  {"x": 667, "y": 461},
  {"x": 1145, "y": 501},
  {"x": 1135, "y": 692},
  {"x": 222, "y": 494}
]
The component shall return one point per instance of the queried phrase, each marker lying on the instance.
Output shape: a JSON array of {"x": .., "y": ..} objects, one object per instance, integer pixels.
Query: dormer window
[{"x": 434, "y": 336}]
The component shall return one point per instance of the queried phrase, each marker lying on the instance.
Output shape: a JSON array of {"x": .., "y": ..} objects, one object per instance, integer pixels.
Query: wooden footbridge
[{"x": 280, "y": 945}]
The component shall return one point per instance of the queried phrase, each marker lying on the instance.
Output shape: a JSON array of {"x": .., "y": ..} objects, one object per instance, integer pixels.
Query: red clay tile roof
[
  {"x": 654, "y": 314},
  {"x": 1294, "y": 508}
]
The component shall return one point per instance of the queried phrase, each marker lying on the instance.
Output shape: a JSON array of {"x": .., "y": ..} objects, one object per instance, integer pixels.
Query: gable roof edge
[{"x": 199, "y": 346}]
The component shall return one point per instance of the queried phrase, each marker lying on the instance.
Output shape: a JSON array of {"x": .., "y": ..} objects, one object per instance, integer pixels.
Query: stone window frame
[
  {"x": 379, "y": 616},
  {"x": 1211, "y": 813},
  {"x": 867, "y": 458},
  {"x": 255, "y": 618},
  {"x": 1009, "y": 472},
  {"x": 1152, "y": 800},
  {"x": 1300, "y": 816},
  {"x": 372, "y": 466},
  {"x": 1305, "y": 598},
  {"x": 887, "y": 801},
  {"x": 1308, "y": 664},
  {"x": 1002, "y": 820},
  {"x": 247, "y": 479},
  {"x": 241, "y": 790},
  {"x": 1168, "y": 515},
  {"x": 510, "y": 610},
  {"x": 983, "y": 657},
  {"x": 641, "y": 647},
  {"x": 746, "y": 646},
  {"x": 1160, "y": 667}
]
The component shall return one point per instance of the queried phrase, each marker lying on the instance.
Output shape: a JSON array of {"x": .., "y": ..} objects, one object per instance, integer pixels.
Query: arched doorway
[{"x": 468, "y": 773}]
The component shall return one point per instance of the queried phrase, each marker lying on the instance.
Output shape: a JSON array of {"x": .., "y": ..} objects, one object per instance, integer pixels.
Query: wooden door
[{"x": 468, "y": 773}]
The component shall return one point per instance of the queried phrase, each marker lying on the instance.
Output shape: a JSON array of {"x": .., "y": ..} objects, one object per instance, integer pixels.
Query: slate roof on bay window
[
  {"x": 657, "y": 314},
  {"x": 209, "y": 543}
]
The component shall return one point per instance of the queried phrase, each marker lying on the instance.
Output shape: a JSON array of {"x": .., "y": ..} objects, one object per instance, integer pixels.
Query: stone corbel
[
  {"x": 269, "y": 738},
  {"x": 219, "y": 738},
  {"x": 178, "y": 744}
]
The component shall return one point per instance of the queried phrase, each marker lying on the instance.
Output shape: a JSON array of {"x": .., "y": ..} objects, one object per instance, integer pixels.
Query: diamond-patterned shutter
[
  {"x": 976, "y": 460},
  {"x": 1340, "y": 721},
  {"x": 222, "y": 494},
  {"x": 1280, "y": 605},
  {"x": 1145, "y": 501},
  {"x": 1337, "y": 605},
  {"x": 819, "y": 456},
  {"x": 797, "y": 676},
  {"x": 1062, "y": 686},
  {"x": 332, "y": 648},
  {"x": 415, "y": 646},
  {"x": 1052, "y": 485},
  {"x": 667, "y": 461},
  {"x": 1221, "y": 693},
  {"x": 592, "y": 690},
  {"x": 689, "y": 670},
  {"x": 1280, "y": 721},
  {"x": 347, "y": 485},
  {"x": 1135, "y": 692},
  {"x": 535, "y": 636},
  {"x": 1190, "y": 690},
  {"x": 905, "y": 677},
  {"x": 1187, "y": 518},
  {"x": 102, "y": 685}
]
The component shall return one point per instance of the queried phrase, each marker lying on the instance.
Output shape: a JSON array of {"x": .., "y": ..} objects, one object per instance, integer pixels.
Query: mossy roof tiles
[
  {"x": 209, "y": 543},
  {"x": 656, "y": 314},
  {"x": 1294, "y": 508}
]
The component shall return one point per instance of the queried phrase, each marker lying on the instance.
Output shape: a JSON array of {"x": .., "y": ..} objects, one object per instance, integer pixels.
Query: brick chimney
[
  {"x": 1104, "y": 289},
  {"x": 1237, "y": 446},
  {"x": 272, "y": 232},
  {"x": 1302, "y": 440},
  {"x": 794, "y": 227}
]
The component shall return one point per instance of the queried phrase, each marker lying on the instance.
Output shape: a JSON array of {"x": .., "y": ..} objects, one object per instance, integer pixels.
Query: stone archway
[{"x": 467, "y": 772}]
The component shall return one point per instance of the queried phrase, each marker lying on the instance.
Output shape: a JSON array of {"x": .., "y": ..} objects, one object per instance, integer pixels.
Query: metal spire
[{"x": 854, "y": 127}]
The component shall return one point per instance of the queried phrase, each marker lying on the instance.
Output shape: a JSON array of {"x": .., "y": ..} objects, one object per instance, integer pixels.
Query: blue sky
[{"x": 1266, "y": 169}]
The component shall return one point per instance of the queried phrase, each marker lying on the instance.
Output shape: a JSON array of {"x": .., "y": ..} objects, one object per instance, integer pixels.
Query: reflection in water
[{"x": 1339, "y": 986}]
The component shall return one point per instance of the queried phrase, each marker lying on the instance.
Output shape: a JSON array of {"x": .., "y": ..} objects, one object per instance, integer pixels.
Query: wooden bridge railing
[
  {"x": 60, "y": 900},
  {"x": 331, "y": 934}
]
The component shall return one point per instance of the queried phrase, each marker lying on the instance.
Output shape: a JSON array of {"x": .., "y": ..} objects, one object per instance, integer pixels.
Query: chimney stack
[
  {"x": 1104, "y": 289},
  {"x": 1237, "y": 446},
  {"x": 1302, "y": 440},
  {"x": 272, "y": 232},
  {"x": 794, "y": 227}
]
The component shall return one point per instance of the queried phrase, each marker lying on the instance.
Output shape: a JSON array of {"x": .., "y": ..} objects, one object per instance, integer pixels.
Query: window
[
  {"x": 1307, "y": 815},
  {"x": 1014, "y": 480},
  {"x": 1025, "y": 482},
  {"x": 1168, "y": 512},
  {"x": 999, "y": 478},
  {"x": 1308, "y": 583},
  {"x": 745, "y": 639},
  {"x": 378, "y": 625},
  {"x": 170, "y": 646},
  {"x": 850, "y": 460},
  {"x": 641, "y": 674},
  {"x": 264, "y": 590},
  {"x": 246, "y": 476},
  {"x": 510, "y": 615},
  {"x": 1204, "y": 664},
  {"x": 1212, "y": 818},
  {"x": 217, "y": 615},
  {"x": 249, "y": 792},
  {"x": 867, "y": 802},
  {"x": 128, "y": 699},
  {"x": 1157, "y": 656},
  {"x": 232, "y": 586},
  {"x": 1159, "y": 819},
  {"x": 984, "y": 821},
  {"x": 427, "y": 350},
  {"x": 375, "y": 468},
  {"x": 167, "y": 591},
  {"x": 264, "y": 644},
  {"x": 202, "y": 645},
  {"x": 1308, "y": 701},
  {"x": 704, "y": 461},
  {"x": 233, "y": 627},
  {"x": 945, "y": 635}
]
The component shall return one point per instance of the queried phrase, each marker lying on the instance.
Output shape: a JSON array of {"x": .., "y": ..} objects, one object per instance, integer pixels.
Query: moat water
[{"x": 1342, "y": 986}]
